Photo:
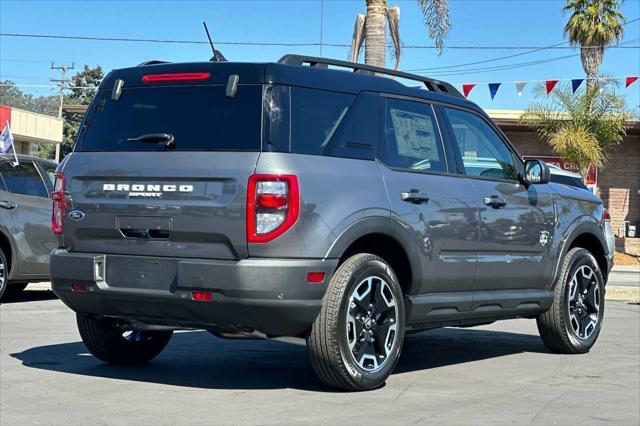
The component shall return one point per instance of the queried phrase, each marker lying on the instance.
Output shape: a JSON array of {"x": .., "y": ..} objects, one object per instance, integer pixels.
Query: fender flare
[
  {"x": 383, "y": 226},
  {"x": 13, "y": 263},
  {"x": 580, "y": 226}
]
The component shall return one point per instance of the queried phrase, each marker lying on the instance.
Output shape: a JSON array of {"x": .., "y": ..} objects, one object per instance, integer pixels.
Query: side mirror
[{"x": 536, "y": 172}]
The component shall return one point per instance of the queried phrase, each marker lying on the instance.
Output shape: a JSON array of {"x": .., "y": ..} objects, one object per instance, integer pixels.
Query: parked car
[
  {"x": 294, "y": 199},
  {"x": 26, "y": 239},
  {"x": 572, "y": 179}
]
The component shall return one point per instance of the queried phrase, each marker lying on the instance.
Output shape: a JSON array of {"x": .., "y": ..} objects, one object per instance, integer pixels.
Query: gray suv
[
  {"x": 25, "y": 221},
  {"x": 294, "y": 199}
]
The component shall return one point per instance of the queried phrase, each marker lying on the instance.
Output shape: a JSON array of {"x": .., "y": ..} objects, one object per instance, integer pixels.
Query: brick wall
[{"x": 618, "y": 183}]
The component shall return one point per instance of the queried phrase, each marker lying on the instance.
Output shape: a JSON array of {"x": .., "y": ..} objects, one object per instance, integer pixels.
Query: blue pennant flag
[
  {"x": 493, "y": 88},
  {"x": 576, "y": 83}
]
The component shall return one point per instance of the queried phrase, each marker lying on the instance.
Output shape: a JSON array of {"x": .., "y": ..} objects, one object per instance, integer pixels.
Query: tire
[
  {"x": 4, "y": 273},
  {"x": 574, "y": 321},
  {"x": 107, "y": 340},
  {"x": 338, "y": 354}
]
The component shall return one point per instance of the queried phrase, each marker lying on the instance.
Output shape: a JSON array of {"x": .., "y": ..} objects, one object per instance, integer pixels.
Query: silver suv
[
  {"x": 25, "y": 221},
  {"x": 294, "y": 199}
]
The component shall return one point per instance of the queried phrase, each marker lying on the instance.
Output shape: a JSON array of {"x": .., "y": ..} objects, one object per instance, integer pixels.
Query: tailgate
[{"x": 167, "y": 203}]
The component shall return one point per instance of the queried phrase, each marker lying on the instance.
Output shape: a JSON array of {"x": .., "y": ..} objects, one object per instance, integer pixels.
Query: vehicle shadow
[
  {"x": 28, "y": 296},
  {"x": 199, "y": 360}
]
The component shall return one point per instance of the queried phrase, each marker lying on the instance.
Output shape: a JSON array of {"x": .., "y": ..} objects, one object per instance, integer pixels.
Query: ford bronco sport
[{"x": 294, "y": 199}]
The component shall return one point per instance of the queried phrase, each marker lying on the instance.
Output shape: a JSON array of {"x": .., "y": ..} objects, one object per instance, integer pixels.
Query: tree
[
  {"x": 11, "y": 95},
  {"x": 81, "y": 90},
  {"x": 371, "y": 29},
  {"x": 593, "y": 25},
  {"x": 582, "y": 127}
]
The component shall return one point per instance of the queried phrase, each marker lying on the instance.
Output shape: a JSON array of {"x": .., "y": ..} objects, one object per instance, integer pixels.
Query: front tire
[
  {"x": 357, "y": 338},
  {"x": 574, "y": 321},
  {"x": 107, "y": 340}
]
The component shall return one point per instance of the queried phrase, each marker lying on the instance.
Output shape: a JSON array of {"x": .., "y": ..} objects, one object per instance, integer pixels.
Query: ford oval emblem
[{"x": 76, "y": 215}]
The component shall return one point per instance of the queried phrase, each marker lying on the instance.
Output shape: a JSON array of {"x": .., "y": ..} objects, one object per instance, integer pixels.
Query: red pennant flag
[
  {"x": 550, "y": 84},
  {"x": 630, "y": 80},
  {"x": 467, "y": 88}
]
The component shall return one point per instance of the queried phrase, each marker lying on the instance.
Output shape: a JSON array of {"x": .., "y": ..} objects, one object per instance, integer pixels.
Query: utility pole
[
  {"x": 321, "y": 24},
  {"x": 62, "y": 83}
]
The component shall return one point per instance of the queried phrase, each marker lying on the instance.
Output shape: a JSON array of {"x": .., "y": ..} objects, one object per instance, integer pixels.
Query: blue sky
[{"x": 475, "y": 23}]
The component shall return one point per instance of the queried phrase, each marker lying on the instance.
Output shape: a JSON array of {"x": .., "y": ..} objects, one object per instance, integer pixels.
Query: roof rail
[
  {"x": 151, "y": 62},
  {"x": 316, "y": 62}
]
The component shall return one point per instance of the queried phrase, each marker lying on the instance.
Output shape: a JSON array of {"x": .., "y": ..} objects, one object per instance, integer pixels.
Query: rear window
[{"x": 200, "y": 118}]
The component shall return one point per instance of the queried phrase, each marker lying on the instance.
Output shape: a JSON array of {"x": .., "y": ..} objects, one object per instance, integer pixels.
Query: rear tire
[
  {"x": 107, "y": 340},
  {"x": 357, "y": 338},
  {"x": 4, "y": 273},
  {"x": 574, "y": 321}
]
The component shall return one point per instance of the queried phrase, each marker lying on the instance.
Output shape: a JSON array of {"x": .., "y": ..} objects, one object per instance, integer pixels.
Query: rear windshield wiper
[{"x": 166, "y": 139}]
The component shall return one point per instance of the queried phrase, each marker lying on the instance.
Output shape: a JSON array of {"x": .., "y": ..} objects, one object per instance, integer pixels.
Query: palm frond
[
  {"x": 437, "y": 18},
  {"x": 358, "y": 38},
  {"x": 393, "y": 18}
]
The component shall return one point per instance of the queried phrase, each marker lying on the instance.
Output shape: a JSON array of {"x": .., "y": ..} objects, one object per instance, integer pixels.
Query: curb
[{"x": 623, "y": 294}]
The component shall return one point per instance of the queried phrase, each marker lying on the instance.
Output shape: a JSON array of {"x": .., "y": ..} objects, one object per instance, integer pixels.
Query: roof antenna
[{"x": 217, "y": 56}]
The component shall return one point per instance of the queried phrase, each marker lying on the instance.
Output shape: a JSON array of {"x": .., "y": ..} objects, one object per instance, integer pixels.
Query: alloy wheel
[
  {"x": 371, "y": 321},
  {"x": 584, "y": 302}
]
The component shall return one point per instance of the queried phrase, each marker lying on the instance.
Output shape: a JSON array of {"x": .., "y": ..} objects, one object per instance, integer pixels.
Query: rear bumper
[{"x": 268, "y": 295}]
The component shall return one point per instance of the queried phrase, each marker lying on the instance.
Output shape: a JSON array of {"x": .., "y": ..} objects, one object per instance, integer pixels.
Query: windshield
[{"x": 199, "y": 118}]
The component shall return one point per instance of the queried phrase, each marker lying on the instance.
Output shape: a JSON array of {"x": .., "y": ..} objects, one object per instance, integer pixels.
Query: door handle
[
  {"x": 7, "y": 205},
  {"x": 495, "y": 201},
  {"x": 414, "y": 196}
]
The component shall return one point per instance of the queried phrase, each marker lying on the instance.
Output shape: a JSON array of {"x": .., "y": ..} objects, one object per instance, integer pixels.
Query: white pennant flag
[
  {"x": 520, "y": 87},
  {"x": 6, "y": 141},
  {"x": 602, "y": 83}
]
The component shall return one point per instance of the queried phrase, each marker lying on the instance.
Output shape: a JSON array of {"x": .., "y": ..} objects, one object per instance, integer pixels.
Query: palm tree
[
  {"x": 581, "y": 127},
  {"x": 593, "y": 25},
  {"x": 371, "y": 29}
]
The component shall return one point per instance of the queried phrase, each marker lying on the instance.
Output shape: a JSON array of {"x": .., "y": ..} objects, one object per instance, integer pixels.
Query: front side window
[
  {"x": 484, "y": 153},
  {"x": 23, "y": 179},
  {"x": 412, "y": 140}
]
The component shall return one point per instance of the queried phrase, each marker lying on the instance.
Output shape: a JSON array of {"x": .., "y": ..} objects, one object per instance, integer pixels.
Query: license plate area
[{"x": 139, "y": 273}]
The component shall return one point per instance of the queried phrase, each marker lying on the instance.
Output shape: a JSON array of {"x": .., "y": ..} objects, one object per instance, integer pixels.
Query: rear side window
[
  {"x": 484, "y": 153},
  {"x": 23, "y": 179},
  {"x": 315, "y": 117},
  {"x": 412, "y": 140},
  {"x": 200, "y": 118}
]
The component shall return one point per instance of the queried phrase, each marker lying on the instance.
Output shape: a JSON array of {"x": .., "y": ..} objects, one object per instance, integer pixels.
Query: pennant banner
[
  {"x": 467, "y": 88},
  {"x": 493, "y": 89},
  {"x": 575, "y": 83},
  {"x": 550, "y": 84}
]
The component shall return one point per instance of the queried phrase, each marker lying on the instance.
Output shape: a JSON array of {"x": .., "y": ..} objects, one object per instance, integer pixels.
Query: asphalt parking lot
[{"x": 496, "y": 374}]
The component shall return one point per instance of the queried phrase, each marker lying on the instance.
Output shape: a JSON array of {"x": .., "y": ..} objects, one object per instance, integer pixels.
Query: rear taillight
[
  {"x": 57, "y": 217},
  {"x": 273, "y": 205},
  {"x": 606, "y": 216}
]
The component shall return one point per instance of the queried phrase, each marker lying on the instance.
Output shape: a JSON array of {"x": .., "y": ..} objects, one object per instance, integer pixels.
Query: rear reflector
[
  {"x": 315, "y": 277},
  {"x": 202, "y": 296},
  {"x": 79, "y": 287},
  {"x": 606, "y": 216},
  {"x": 183, "y": 76}
]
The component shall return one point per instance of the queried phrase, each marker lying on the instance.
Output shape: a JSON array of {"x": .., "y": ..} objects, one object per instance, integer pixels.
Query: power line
[
  {"x": 288, "y": 44},
  {"x": 508, "y": 56},
  {"x": 508, "y": 66}
]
